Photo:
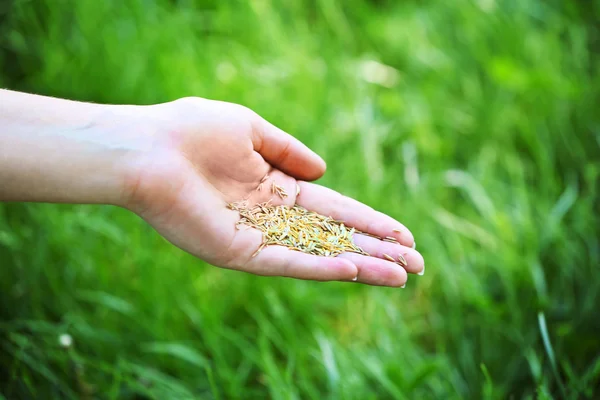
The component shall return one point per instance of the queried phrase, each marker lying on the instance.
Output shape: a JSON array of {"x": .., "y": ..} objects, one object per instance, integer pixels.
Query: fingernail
[
  {"x": 414, "y": 245},
  {"x": 403, "y": 286},
  {"x": 355, "y": 279},
  {"x": 422, "y": 271}
]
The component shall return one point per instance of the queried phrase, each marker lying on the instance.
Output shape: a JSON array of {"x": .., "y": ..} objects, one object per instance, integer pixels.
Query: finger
[
  {"x": 377, "y": 272},
  {"x": 286, "y": 153},
  {"x": 281, "y": 261},
  {"x": 378, "y": 248},
  {"x": 353, "y": 213}
]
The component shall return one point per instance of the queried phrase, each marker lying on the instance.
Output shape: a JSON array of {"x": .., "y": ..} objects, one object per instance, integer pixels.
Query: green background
[{"x": 476, "y": 123}]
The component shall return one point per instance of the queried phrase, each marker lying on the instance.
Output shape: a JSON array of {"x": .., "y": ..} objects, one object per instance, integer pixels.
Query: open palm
[{"x": 206, "y": 154}]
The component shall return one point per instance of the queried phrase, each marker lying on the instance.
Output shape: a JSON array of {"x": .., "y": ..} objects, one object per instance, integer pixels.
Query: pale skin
[{"x": 177, "y": 165}]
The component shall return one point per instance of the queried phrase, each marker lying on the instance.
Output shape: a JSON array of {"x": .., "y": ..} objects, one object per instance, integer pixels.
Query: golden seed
[
  {"x": 370, "y": 235},
  {"x": 258, "y": 251},
  {"x": 280, "y": 191},
  {"x": 397, "y": 230},
  {"x": 389, "y": 258},
  {"x": 402, "y": 260}
]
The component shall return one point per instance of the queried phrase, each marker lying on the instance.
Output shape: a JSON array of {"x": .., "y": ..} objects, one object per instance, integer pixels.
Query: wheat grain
[
  {"x": 389, "y": 258},
  {"x": 402, "y": 260},
  {"x": 279, "y": 190},
  {"x": 297, "y": 229}
]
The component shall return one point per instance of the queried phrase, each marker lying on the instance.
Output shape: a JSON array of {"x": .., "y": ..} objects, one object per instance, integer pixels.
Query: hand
[{"x": 204, "y": 154}]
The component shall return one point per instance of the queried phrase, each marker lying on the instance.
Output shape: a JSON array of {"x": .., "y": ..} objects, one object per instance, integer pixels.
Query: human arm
[{"x": 177, "y": 165}]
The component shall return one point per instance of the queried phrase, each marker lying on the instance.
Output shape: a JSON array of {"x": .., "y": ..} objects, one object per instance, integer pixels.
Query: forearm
[{"x": 54, "y": 150}]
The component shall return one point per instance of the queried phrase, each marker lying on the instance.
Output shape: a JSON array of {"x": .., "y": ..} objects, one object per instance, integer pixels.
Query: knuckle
[
  {"x": 189, "y": 100},
  {"x": 243, "y": 112}
]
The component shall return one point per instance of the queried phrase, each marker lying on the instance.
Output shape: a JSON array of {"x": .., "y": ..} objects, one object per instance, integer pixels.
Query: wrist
[
  {"x": 117, "y": 137},
  {"x": 55, "y": 150},
  {"x": 143, "y": 152}
]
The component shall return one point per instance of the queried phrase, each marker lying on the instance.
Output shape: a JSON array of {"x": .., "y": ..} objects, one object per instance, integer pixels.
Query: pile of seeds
[{"x": 297, "y": 228}]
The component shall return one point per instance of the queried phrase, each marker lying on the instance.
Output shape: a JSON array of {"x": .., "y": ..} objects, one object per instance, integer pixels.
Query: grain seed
[
  {"x": 280, "y": 191},
  {"x": 389, "y": 258},
  {"x": 370, "y": 235},
  {"x": 258, "y": 250},
  {"x": 402, "y": 260}
]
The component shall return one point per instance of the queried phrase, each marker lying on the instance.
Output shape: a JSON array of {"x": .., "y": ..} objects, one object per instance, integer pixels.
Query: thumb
[{"x": 286, "y": 153}]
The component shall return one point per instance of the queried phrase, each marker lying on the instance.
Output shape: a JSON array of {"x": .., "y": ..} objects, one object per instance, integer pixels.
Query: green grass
[{"x": 484, "y": 140}]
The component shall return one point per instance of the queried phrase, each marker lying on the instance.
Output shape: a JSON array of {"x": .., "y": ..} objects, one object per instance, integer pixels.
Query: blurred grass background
[{"x": 475, "y": 122}]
